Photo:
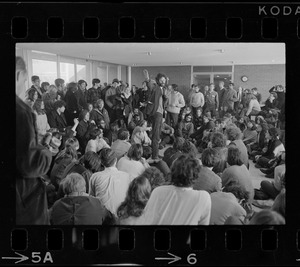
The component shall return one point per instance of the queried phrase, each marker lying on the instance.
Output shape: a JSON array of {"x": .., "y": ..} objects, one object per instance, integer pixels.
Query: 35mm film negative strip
[{"x": 70, "y": 34}]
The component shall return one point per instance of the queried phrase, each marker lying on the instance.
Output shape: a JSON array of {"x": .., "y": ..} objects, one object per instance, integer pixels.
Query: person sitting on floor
[
  {"x": 250, "y": 134},
  {"x": 228, "y": 203},
  {"x": 238, "y": 172},
  {"x": 121, "y": 145},
  {"x": 207, "y": 179},
  {"x": 275, "y": 148},
  {"x": 172, "y": 153},
  {"x": 77, "y": 207},
  {"x": 167, "y": 134},
  {"x": 186, "y": 127},
  {"x": 234, "y": 135},
  {"x": 138, "y": 194},
  {"x": 256, "y": 147},
  {"x": 139, "y": 134},
  {"x": 178, "y": 203},
  {"x": 96, "y": 143},
  {"x": 110, "y": 186},
  {"x": 133, "y": 163},
  {"x": 155, "y": 177}
]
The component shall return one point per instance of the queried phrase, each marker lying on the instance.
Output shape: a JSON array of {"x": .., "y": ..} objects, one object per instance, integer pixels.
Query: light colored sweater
[
  {"x": 176, "y": 102},
  {"x": 197, "y": 100}
]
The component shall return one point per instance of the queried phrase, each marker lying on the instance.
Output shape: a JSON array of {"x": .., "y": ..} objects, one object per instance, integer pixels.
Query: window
[
  {"x": 46, "y": 70},
  {"x": 81, "y": 72},
  {"x": 67, "y": 72}
]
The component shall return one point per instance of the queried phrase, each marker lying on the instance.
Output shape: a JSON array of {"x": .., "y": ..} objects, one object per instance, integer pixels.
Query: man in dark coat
[
  {"x": 56, "y": 117},
  {"x": 32, "y": 161},
  {"x": 81, "y": 95},
  {"x": 92, "y": 93},
  {"x": 155, "y": 109}
]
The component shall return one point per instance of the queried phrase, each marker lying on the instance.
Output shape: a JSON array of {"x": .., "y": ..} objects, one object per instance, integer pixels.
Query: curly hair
[
  {"x": 210, "y": 157},
  {"x": 189, "y": 148},
  {"x": 185, "y": 170},
  {"x": 218, "y": 139},
  {"x": 233, "y": 133},
  {"x": 179, "y": 143},
  {"x": 138, "y": 193},
  {"x": 155, "y": 176},
  {"x": 237, "y": 190}
]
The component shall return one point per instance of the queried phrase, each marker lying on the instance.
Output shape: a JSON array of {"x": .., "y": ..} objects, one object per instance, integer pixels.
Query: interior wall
[{"x": 264, "y": 77}]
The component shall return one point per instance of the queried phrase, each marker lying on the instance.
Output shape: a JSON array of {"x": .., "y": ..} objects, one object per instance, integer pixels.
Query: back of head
[
  {"x": 185, "y": 170},
  {"x": 189, "y": 148},
  {"x": 108, "y": 157},
  {"x": 209, "y": 157},
  {"x": 155, "y": 176},
  {"x": 267, "y": 217},
  {"x": 138, "y": 193},
  {"x": 233, "y": 133},
  {"x": 91, "y": 161},
  {"x": 73, "y": 183},
  {"x": 179, "y": 143},
  {"x": 237, "y": 190},
  {"x": 123, "y": 134},
  {"x": 218, "y": 139},
  {"x": 234, "y": 156},
  {"x": 135, "y": 152}
]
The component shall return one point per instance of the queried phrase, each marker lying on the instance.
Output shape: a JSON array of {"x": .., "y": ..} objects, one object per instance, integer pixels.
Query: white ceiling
[{"x": 168, "y": 54}]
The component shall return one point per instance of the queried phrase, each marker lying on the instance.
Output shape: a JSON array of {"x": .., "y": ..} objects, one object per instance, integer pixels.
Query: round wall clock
[{"x": 244, "y": 78}]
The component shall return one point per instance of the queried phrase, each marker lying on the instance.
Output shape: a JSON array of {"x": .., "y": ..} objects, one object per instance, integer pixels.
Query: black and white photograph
[{"x": 150, "y": 133}]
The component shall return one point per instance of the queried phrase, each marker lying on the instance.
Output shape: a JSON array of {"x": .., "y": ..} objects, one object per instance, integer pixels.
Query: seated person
[
  {"x": 133, "y": 163},
  {"x": 208, "y": 124},
  {"x": 256, "y": 147},
  {"x": 241, "y": 122},
  {"x": 198, "y": 119},
  {"x": 207, "y": 180},
  {"x": 155, "y": 177},
  {"x": 172, "y": 153},
  {"x": 228, "y": 203},
  {"x": 96, "y": 143},
  {"x": 77, "y": 207},
  {"x": 238, "y": 172},
  {"x": 167, "y": 134},
  {"x": 135, "y": 111},
  {"x": 136, "y": 199},
  {"x": 121, "y": 145},
  {"x": 186, "y": 127},
  {"x": 250, "y": 133},
  {"x": 136, "y": 118},
  {"x": 139, "y": 134},
  {"x": 178, "y": 203},
  {"x": 274, "y": 149},
  {"x": 110, "y": 186}
]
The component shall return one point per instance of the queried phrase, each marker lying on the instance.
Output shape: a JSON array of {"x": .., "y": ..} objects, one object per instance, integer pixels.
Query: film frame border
[{"x": 287, "y": 32}]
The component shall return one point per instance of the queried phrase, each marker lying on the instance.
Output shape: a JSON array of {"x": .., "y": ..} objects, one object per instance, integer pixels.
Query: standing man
[
  {"x": 114, "y": 101},
  {"x": 32, "y": 160},
  {"x": 36, "y": 85},
  {"x": 211, "y": 101},
  {"x": 92, "y": 93},
  {"x": 229, "y": 98},
  {"x": 60, "y": 85},
  {"x": 221, "y": 93},
  {"x": 81, "y": 95},
  {"x": 197, "y": 100},
  {"x": 256, "y": 94},
  {"x": 175, "y": 103},
  {"x": 155, "y": 109}
]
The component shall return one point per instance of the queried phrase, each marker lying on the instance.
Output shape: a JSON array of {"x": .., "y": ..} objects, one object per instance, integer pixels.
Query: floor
[{"x": 257, "y": 177}]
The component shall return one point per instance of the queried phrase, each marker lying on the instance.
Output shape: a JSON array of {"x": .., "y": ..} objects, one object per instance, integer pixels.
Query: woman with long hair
[
  {"x": 42, "y": 124},
  {"x": 136, "y": 199}
]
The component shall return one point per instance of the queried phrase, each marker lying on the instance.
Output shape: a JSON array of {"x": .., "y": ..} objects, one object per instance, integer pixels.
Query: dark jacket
[
  {"x": 32, "y": 161},
  {"x": 78, "y": 210},
  {"x": 57, "y": 121},
  {"x": 98, "y": 115},
  {"x": 83, "y": 131},
  {"x": 92, "y": 95},
  {"x": 155, "y": 93},
  {"x": 82, "y": 99}
]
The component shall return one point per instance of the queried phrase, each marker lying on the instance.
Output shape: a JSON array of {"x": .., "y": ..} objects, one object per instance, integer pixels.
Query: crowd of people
[{"x": 91, "y": 156}]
